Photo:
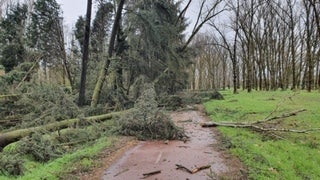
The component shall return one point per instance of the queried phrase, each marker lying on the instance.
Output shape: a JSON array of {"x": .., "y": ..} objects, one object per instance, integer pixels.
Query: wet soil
[{"x": 203, "y": 148}]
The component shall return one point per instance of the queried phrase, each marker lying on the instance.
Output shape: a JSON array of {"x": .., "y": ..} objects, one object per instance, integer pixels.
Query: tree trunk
[
  {"x": 85, "y": 56},
  {"x": 309, "y": 29},
  {"x": 105, "y": 66},
  {"x": 293, "y": 52},
  {"x": 234, "y": 55}
]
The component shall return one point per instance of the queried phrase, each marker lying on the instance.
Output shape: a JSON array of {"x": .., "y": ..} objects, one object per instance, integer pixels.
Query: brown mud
[{"x": 203, "y": 148}]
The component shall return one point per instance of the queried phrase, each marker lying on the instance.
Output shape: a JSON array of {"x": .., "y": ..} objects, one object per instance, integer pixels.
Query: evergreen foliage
[
  {"x": 155, "y": 36},
  {"x": 12, "y": 38},
  {"x": 40, "y": 147},
  {"x": 100, "y": 27},
  {"x": 79, "y": 31},
  {"x": 148, "y": 121},
  {"x": 44, "y": 32},
  {"x": 11, "y": 164},
  {"x": 46, "y": 103}
]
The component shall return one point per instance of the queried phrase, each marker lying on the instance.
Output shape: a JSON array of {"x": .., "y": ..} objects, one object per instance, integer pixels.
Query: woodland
[{"x": 134, "y": 59}]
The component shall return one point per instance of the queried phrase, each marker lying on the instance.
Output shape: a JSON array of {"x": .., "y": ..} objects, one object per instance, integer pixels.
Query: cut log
[{"x": 13, "y": 136}]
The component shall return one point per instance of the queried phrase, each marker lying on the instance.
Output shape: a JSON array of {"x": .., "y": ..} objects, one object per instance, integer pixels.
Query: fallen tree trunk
[
  {"x": 257, "y": 128},
  {"x": 245, "y": 125},
  {"x": 255, "y": 125},
  {"x": 13, "y": 136}
]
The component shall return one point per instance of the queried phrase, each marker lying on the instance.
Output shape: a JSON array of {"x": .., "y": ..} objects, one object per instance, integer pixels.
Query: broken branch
[
  {"x": 286, "y": 115},
  {"x": 183, "y": 168},
  {"x": 145, "y": 175},
  {"x": 193, "y": 171}
]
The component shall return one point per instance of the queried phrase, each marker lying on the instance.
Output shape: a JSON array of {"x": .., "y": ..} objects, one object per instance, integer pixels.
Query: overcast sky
[{"x": 72, "y": 9}]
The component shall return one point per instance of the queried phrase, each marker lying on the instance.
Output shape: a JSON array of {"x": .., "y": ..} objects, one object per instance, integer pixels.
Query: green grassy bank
[{"x": 272, "y": 154}]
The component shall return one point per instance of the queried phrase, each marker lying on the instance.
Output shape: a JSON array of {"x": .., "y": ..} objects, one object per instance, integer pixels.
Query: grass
[
  {"x": 81, "y": 160},
  {"x": 272, "y": 155}
]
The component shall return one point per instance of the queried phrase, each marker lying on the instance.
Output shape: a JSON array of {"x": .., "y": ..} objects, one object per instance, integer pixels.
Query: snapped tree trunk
[{"x": 105, "y": 66}]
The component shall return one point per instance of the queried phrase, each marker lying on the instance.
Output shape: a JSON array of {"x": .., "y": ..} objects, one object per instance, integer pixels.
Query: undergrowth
[
  {"x": 272, "y": 155},
  {"x": 64, "y": 167}
]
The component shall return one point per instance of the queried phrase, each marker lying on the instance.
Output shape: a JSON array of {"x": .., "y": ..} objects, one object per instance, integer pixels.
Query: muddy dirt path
[{"x": 202, "y": 149}]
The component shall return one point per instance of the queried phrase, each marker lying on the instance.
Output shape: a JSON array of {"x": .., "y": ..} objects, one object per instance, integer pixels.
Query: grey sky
[{"x": 72, "y": 9}]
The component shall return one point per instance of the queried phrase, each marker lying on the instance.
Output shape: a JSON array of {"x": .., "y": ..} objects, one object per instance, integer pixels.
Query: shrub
[
  {"x": 41, "y": 148},
  {"x": 11, "y": 164}
]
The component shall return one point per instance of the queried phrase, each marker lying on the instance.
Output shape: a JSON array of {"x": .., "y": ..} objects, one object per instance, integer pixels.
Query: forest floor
[{"x": 131, "y": 159}]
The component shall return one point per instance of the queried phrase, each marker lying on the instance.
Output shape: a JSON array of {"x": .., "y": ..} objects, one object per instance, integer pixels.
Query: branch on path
[
  {"x": 193, "y": 171},
  {"x": 145, "y": 175},
  {"x": 197, "y": 169},
  {"x": 179, "y": 166}
]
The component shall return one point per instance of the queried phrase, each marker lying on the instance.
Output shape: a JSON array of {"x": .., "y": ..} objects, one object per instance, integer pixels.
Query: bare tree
[
  {"x": 203, "y": 16},
  {"x": 315, "y": 5},
  {"x": 311, "y": 43},
  {"x": 231, "y": 46}
]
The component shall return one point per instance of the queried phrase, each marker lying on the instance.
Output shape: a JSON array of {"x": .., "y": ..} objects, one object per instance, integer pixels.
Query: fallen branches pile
[{"x": 148, "y": 121}]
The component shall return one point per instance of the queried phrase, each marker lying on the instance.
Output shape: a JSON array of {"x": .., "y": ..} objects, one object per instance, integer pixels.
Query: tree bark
[
  {"x": 85, "y": 56},
  {"x": 105, "y": 66}
]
